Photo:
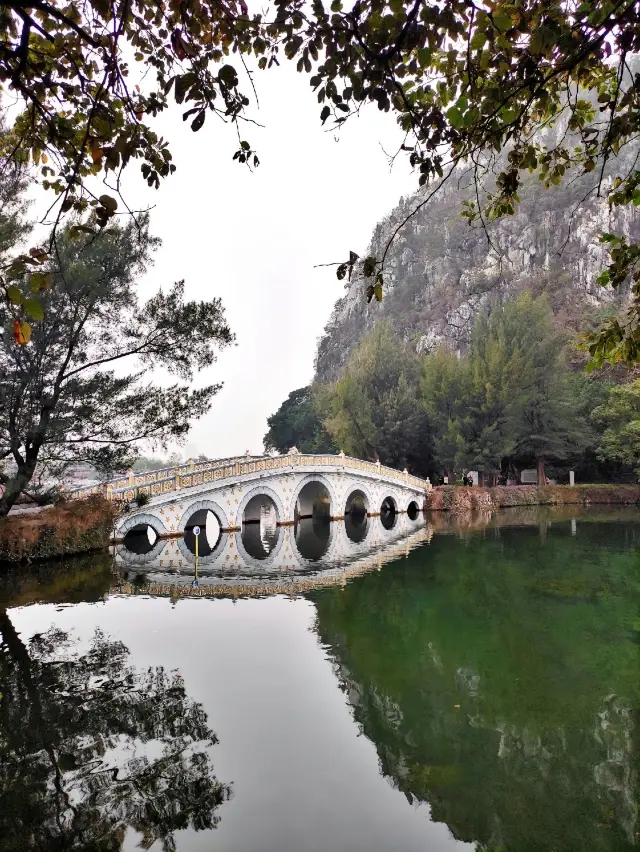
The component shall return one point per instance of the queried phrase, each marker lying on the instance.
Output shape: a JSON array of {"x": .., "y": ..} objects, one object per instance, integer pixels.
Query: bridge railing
[{"x": 159, "y": 482}]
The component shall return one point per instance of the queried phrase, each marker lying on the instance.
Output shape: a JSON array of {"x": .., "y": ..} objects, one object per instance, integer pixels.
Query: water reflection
[
  {"x": 91, "y": 747},
  {"x": 312, "y": 544},
  {"x": 388, "y": 518},
  {"x": 260, "y": 537},
  {"x": 312, "y": 537},
  {"x": 356, "y": 526},
  {"x": 498, "y": 679},
  {"x": 494, "y": 677}
]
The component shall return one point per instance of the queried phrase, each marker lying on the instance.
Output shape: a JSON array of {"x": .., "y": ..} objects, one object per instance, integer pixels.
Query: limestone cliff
[{"x": 440, "y": 270}]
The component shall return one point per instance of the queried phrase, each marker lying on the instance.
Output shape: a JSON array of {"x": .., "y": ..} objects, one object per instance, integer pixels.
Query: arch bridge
[{"x": 246, "y": 490}]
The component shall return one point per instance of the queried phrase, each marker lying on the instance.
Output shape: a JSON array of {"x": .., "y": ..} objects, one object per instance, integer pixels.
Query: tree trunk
[
  {"x": 542, "y": 479},
  {"x": 15, "y": 486}
]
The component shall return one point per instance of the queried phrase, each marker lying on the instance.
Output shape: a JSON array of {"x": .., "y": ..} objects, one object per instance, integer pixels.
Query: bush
[{"x": 73, "y": 527}]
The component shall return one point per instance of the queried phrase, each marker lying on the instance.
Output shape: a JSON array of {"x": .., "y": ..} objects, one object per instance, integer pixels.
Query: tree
[
  {"x": 540, "y": 422},
  {"x": 149, "y": 463},
  {"x": 620, "y": 416},
  {"x": 470, "y": 85},
  {"x": 444, "y": 391},
  {"x": 374, "y": 409},
  {"x": 512, "y": 399},
  {"x": 297, "y": 423},
  {"x": 90, "y": 747},
  {"x": 80, "y": 390}
]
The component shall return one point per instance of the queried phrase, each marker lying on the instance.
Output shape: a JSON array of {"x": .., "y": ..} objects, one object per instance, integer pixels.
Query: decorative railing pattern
[{"x": 158, "y": 482}]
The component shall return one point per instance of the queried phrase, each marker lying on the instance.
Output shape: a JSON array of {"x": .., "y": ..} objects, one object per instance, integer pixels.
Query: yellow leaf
[{"x": 45, "y": 159}]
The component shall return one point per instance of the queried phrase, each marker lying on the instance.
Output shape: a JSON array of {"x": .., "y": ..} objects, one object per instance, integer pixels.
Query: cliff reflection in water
[{"x": 498, "y": 679}]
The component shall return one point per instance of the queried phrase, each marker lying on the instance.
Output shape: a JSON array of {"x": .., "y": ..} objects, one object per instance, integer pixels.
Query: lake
[{"x": 473, "y": 684}]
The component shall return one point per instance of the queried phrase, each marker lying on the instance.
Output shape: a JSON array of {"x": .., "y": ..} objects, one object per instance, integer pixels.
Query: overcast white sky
[{"x": 254, "y": 238}]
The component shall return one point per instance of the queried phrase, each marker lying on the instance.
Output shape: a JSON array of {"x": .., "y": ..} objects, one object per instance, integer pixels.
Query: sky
[{"x": 253, "y": 238}]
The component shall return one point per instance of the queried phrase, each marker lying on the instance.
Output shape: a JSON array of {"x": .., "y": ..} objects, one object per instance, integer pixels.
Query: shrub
[{"x": 72, "y": 527}]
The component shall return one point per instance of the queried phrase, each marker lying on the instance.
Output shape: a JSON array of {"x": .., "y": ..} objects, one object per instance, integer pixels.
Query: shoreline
[
  {"x": 83, "y": 526},
  {"x": 460, "y": 499}
]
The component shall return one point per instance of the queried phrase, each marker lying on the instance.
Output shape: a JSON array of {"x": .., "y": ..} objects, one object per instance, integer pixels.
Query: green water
[{"x": 480, "y": 693}]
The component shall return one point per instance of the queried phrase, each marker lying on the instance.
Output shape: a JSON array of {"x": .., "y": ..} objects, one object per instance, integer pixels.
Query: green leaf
[
  {"x": 455, "y": 117},
  {"x": 324, "y": 115},
  {"x": 43, "y": 280},
  {"x": 14, "y": 294},
  {"x": 502, "y": 22},
  {"x": 33, "y": 308}
]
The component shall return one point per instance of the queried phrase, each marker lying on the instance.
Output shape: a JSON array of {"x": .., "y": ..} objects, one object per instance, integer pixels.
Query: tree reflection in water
[
  {"x": 90, "y": 747},
  {"x": 497, "y": 676}
]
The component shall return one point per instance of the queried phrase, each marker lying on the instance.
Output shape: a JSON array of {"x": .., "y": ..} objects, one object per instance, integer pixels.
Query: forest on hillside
[{"x": 518, "y": 397}]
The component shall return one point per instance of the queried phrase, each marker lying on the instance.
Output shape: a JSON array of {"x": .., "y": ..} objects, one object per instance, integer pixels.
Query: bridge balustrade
[{"x": 164, "y": 481}]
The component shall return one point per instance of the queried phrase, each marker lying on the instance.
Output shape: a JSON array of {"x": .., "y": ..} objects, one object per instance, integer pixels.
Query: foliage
[
  {"x": 91, "y": 747},
  {"x": 470, "y": 86},
  {"x": 444, "y": 387},
  {"x": 503, "y": 90},
  {"x": 65, "y": 398},
  {"x": 75, "y": 526},
  {"x": 142, "y": 499},
  {"x": 143, "y": 463},
  {"x": 374, "y": 410},
  {"x": 297, "y": 423},
  {"x": 540, "y": 418},
  {"x": 620, "y": 415},
  {"x": 511, "y": 399}
]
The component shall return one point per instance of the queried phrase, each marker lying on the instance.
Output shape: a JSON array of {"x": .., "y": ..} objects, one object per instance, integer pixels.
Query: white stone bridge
[{"x": 236, "y": 491}]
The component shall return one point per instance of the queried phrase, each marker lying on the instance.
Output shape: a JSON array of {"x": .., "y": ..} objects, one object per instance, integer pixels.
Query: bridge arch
[
  {"x": 259, "y": 491},
  {"x": 413, "y": 508},
  {"x": 206, "y": 505},
  {"x": 388, "y": 511},
  {"x": 308, "y": 499},
  {"x": 142, "y": 519},
  {"x": 358, "y": 500}
]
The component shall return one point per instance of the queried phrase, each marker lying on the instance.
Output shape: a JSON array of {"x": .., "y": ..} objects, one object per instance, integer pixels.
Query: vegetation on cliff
[{"x": 517, "y": 397}]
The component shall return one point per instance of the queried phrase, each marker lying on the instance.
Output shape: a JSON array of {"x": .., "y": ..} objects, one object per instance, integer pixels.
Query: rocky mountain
[{"x": 440, "y": 270}]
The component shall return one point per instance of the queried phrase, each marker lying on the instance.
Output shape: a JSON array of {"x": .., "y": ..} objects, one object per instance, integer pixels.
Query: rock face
[{"x": 440, "y": 271}]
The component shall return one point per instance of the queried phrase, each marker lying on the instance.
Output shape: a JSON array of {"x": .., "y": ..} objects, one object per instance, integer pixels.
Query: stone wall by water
[{"x": 454, "y": 498}]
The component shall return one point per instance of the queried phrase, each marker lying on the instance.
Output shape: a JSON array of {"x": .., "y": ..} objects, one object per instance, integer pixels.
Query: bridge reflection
[{"x": 310, "y": 552}]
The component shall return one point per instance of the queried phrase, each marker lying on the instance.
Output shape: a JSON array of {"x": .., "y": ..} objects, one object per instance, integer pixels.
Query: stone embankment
[
  {"x": 78, "y": 526},
  {"x": 451, "y": 498}
]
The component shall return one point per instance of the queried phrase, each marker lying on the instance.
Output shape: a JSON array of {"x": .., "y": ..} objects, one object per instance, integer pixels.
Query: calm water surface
[{"x": 481, "y": 692}]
